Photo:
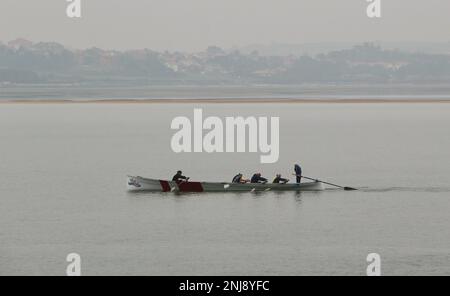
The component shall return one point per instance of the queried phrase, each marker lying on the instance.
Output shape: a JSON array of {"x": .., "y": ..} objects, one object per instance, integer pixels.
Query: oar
[
  {"x": 343, "y": 187},
  {"x": 177, "y": 185}
]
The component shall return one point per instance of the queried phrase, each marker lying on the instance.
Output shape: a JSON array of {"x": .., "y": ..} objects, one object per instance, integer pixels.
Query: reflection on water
[{"x": 250, "y": 194}]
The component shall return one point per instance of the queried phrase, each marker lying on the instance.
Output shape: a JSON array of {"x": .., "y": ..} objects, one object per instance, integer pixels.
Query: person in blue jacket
[
  {"x": 258, "y": 179},
  {"x": 298, "y": 173}
]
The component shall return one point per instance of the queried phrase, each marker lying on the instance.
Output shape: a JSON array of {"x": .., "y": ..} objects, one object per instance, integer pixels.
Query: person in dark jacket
[
  {"x": 258, "y": 179},
  {"x": 298, "y": 173},
  {"x": 179, "y": 177},
  {"x": 279, "y": 179},
  {"x": 239, "y": 178}
]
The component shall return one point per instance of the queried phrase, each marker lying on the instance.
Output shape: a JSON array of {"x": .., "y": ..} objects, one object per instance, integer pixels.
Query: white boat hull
[{"x": 145, "y": 184}]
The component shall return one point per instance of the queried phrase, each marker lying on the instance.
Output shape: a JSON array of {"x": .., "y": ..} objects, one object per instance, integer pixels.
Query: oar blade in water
[{"x": 349, "y": 189}]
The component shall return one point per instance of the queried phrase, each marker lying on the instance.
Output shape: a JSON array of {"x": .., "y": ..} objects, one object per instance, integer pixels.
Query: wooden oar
[{"x": 343, "y": 187}]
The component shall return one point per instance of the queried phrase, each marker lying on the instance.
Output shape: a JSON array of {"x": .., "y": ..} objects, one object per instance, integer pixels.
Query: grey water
[{"x": 62, "y": 190}]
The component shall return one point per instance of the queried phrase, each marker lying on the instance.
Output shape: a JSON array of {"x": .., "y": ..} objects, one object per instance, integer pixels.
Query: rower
[
  {"x": 298, "y": 173},
  {"x": 179, "y": 177},
  {"x": 278, "y": 179},
  {"x": 239, "y": 178},
  {"x": 258, "y": 179}
]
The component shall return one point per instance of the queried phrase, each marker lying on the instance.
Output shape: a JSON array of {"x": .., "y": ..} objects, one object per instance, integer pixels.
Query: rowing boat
[{"x": 136, "y": 183}]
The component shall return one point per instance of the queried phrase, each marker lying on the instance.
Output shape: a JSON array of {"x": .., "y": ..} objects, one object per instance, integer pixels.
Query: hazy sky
[{"x": 195, "y": 24}]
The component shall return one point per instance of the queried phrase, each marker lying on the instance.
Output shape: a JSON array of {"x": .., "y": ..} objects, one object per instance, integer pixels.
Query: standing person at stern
[{"x": 298, "y": 173}]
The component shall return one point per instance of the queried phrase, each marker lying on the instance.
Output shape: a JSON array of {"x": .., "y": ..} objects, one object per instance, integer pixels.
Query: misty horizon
[
  {"x": 196, "y": 24},
  {"x": 23, "y": 62},
  {"x": 281, "y": 49}
]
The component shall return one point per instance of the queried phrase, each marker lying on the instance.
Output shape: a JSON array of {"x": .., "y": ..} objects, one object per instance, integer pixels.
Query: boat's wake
[{"x": 406, "y": 189}]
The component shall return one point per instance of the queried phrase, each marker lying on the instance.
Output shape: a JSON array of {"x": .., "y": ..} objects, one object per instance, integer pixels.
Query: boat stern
[
  {"x": 312, "y": 186},
  {"x": 319, "y": 186}
]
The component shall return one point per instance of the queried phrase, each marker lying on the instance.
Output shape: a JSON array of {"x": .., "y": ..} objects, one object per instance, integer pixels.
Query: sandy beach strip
[{"x": 227, "y": 101}]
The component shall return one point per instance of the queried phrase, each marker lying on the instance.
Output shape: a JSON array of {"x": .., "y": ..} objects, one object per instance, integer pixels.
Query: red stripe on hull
[
  {"x": 190, "y": 187},
  {"x": 165, "y": 186}
]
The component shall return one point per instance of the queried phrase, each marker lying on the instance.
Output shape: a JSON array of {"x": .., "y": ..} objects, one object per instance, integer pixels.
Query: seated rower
[
  {"x": 258, "y": 179},
  {"x": 239, "y": 178},
  {"x": 179, "y": 177},
  {"x": 278, "y": 179}
]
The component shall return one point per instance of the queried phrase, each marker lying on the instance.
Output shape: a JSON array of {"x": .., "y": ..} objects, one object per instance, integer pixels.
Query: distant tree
[{"x": 215, "y": 50}]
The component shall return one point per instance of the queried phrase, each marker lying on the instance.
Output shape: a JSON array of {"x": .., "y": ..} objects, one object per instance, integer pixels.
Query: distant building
[{"x": 20, "y": 42}]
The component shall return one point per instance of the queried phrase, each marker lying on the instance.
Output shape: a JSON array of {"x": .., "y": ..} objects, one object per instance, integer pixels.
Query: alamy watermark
[
  {"x": 214, "y": 135},
  {"x": 374, "y": 267},
  {"x": 74, "y": 9},
  {"x": 374, "y": 9},
  {"x": 74, "y": 267}
]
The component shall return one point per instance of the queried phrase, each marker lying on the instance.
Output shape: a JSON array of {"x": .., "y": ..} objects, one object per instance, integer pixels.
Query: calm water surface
[{"x": 62, "y": 190}]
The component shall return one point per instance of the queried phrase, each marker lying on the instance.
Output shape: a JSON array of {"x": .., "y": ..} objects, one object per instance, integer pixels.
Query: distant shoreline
[{"x": 229, "y": 101}]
